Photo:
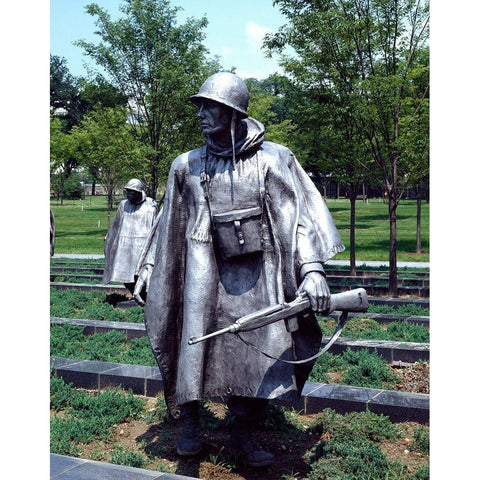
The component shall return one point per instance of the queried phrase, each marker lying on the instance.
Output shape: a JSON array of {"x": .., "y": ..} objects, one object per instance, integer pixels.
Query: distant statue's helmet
[
  {"x": 134, "y": 184},
  {"x": 225, "y": 88}
]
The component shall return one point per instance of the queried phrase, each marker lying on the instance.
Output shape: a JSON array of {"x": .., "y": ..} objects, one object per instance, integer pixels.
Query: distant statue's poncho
[{"x": 126, "y": 238}]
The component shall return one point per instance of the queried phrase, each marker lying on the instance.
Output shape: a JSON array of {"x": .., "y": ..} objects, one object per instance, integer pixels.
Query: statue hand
[
  {"x": 143, "y": 280},
  {"x": 315, "y": 286}
]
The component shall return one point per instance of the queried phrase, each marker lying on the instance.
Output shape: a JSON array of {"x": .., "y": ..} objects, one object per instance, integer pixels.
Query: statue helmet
[
  {"x": 134, "y": 184},
  {"x": 226, "y": 88}
]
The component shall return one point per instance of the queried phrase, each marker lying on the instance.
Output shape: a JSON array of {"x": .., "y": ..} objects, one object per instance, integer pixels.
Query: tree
[
  {"x": 414, "y": 143},
  {"x": 157, "y": 65},
  {"x": 105, "y": 144},
  {"x": 364, "y": 50},
  {"x": 266, "y": 105},
  {"x": 61, "y": 154},
  {"x": 64, "y": 97}
]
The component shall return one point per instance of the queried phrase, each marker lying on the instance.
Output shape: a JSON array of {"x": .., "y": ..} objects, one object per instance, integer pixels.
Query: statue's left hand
[
  {"x": 142, "y": 281},
  {"x": 315, "y": 286}
]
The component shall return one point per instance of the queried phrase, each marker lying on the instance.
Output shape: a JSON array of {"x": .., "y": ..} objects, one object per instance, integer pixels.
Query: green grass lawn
[{"x": 81, "y": 226}]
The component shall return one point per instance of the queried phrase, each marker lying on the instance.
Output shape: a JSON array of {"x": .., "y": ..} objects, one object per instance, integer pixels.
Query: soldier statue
[
  {"x": 243, "y": 227},
  {"x": 126, "y": 237}
]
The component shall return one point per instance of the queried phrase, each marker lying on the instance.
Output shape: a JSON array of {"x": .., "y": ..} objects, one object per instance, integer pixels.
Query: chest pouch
[{"x": 238, "y": 232}]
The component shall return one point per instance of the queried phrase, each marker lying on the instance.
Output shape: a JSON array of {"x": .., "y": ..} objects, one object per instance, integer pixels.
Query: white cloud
[{"x": 255, "y": 34}]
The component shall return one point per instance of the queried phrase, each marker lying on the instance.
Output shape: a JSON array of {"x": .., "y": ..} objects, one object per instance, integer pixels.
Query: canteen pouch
[{"x": 238, "y": 232}]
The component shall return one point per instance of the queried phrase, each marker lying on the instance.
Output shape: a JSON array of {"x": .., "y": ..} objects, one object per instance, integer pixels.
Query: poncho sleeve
[
  {"x": 318, "y": 239},
  {"x": 301, "y": 222}
]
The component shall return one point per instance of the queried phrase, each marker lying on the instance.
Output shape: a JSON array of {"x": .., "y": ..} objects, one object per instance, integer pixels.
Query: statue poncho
[
  {"x": 195, "y": 290},
  {"x": 125, "y": 239}
]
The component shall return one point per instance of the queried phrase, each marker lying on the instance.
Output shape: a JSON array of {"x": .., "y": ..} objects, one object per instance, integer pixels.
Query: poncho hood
[{"x": 251, "y": 137}]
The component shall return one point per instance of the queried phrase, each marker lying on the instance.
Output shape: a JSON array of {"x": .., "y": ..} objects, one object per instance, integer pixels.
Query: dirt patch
[
  {"x": 415, "y": 378},
  {"x": 401, "y": 450}
]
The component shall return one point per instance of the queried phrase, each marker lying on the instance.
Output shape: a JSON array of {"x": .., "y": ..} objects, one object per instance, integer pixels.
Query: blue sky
[{"x": 234, "y": 32}]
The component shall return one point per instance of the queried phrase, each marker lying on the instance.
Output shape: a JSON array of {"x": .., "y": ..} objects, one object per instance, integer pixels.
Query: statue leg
[
  {"x": 247, "y": 411},
  {"x": 189, "y": 441}
]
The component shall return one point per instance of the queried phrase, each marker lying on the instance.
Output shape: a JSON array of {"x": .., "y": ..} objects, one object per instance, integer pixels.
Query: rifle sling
[{"x": 341, "y": 323}]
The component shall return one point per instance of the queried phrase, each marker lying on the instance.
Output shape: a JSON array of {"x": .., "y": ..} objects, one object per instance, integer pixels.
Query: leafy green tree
[
  {"x": 61, "y": 154},
  {"x": 157, "y": 65},
  {"x": 106, "y": 145},
  {"x": 363, "y": 52},
  {"x": 265, "y": 105},
  {"x": 64, "y": 95},
  {"x": 414, "y": 143}
]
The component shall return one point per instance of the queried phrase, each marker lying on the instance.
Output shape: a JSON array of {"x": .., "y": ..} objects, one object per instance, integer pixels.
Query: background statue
[
  {"x": 242, "y": 228},
  {"x": 126, "y": 237}
]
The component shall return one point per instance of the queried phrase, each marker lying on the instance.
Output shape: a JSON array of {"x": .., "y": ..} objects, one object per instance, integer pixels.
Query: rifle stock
[{"x": 351, "y": 301}]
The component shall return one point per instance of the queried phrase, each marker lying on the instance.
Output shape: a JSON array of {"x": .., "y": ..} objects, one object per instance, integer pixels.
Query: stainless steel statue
[
  {"x": 126, "y": 237},
  {"x": 243, "y": 227}
]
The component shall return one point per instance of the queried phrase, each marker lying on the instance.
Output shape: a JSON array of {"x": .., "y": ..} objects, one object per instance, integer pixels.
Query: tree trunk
[
  {"x": 353, "y": 197},
  {"x": 392, "y": 214},
  {"x": 419, "y": 215},
  {"x": 62, "y": 189},
  {"x": 93, "y": 188},
  {"x": 154, "y": 162}
]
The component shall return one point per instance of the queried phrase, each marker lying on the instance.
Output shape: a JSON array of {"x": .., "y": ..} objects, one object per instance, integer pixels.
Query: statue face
[
  {"x": 214, "y": 118},
  {"x": 133, "y": 196}
]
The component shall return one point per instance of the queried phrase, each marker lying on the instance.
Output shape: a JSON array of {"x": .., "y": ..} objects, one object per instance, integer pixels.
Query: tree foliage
[
  {"x": 106, "y": 146},
  {"x": 61, "y": 156},
  {"x": 157, "y": 65}
]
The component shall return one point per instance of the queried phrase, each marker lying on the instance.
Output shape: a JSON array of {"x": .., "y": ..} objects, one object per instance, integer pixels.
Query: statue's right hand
[{"x": 143, "y": 280}]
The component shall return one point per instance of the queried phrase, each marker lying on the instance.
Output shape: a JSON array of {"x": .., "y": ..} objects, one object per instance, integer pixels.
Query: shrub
[
  {"x": 160, "y": 413},
  {"x": 367, "y": 328},
  {"x": 91, "y": 305},
  {"x": 407, "y": 332},
  {"x": 351, "y": 453},
  {"x": 423, "y": 473},
  {"x": 364, "y": 426},
  {"x": 139, "y": 352},
  {"x": 421, "y": 441},
  {"x": 368, "y": 370},
  {"x": 72, "y": 188},
  {"x": 130, "y": 459},
  {"x": 359, "y": 368},
  {"x": 87, "y": 416},
  {"x": 68, "y": 341},
  {"x": 328, "y": 362},
  {"x": 352, "y": 460}
]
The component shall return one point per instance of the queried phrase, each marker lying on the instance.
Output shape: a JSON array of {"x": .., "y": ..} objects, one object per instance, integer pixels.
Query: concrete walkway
[{"x": 71, "y": 468}]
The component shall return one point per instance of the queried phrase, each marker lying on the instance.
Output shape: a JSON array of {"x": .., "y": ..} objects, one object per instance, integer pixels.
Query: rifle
[{"x": 351, "y": 301}]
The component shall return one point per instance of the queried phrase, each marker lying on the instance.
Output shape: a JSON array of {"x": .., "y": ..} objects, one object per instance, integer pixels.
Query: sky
[{"x": 234, "y": 33}]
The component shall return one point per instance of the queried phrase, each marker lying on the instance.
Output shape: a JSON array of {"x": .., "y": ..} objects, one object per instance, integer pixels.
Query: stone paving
[{"x": 70, "y": 468}]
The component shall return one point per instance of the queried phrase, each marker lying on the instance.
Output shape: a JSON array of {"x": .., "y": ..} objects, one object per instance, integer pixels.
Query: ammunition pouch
[{"x": 238, "y": 232}]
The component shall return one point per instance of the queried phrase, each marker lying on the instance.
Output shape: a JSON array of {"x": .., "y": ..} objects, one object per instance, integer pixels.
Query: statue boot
[
  {"x": 242, "y": 443},
  {"x": 189, "y": 443}
]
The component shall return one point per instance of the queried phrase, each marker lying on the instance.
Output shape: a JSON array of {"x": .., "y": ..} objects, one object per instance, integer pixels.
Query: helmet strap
[{"x": 233, "y": 126}]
